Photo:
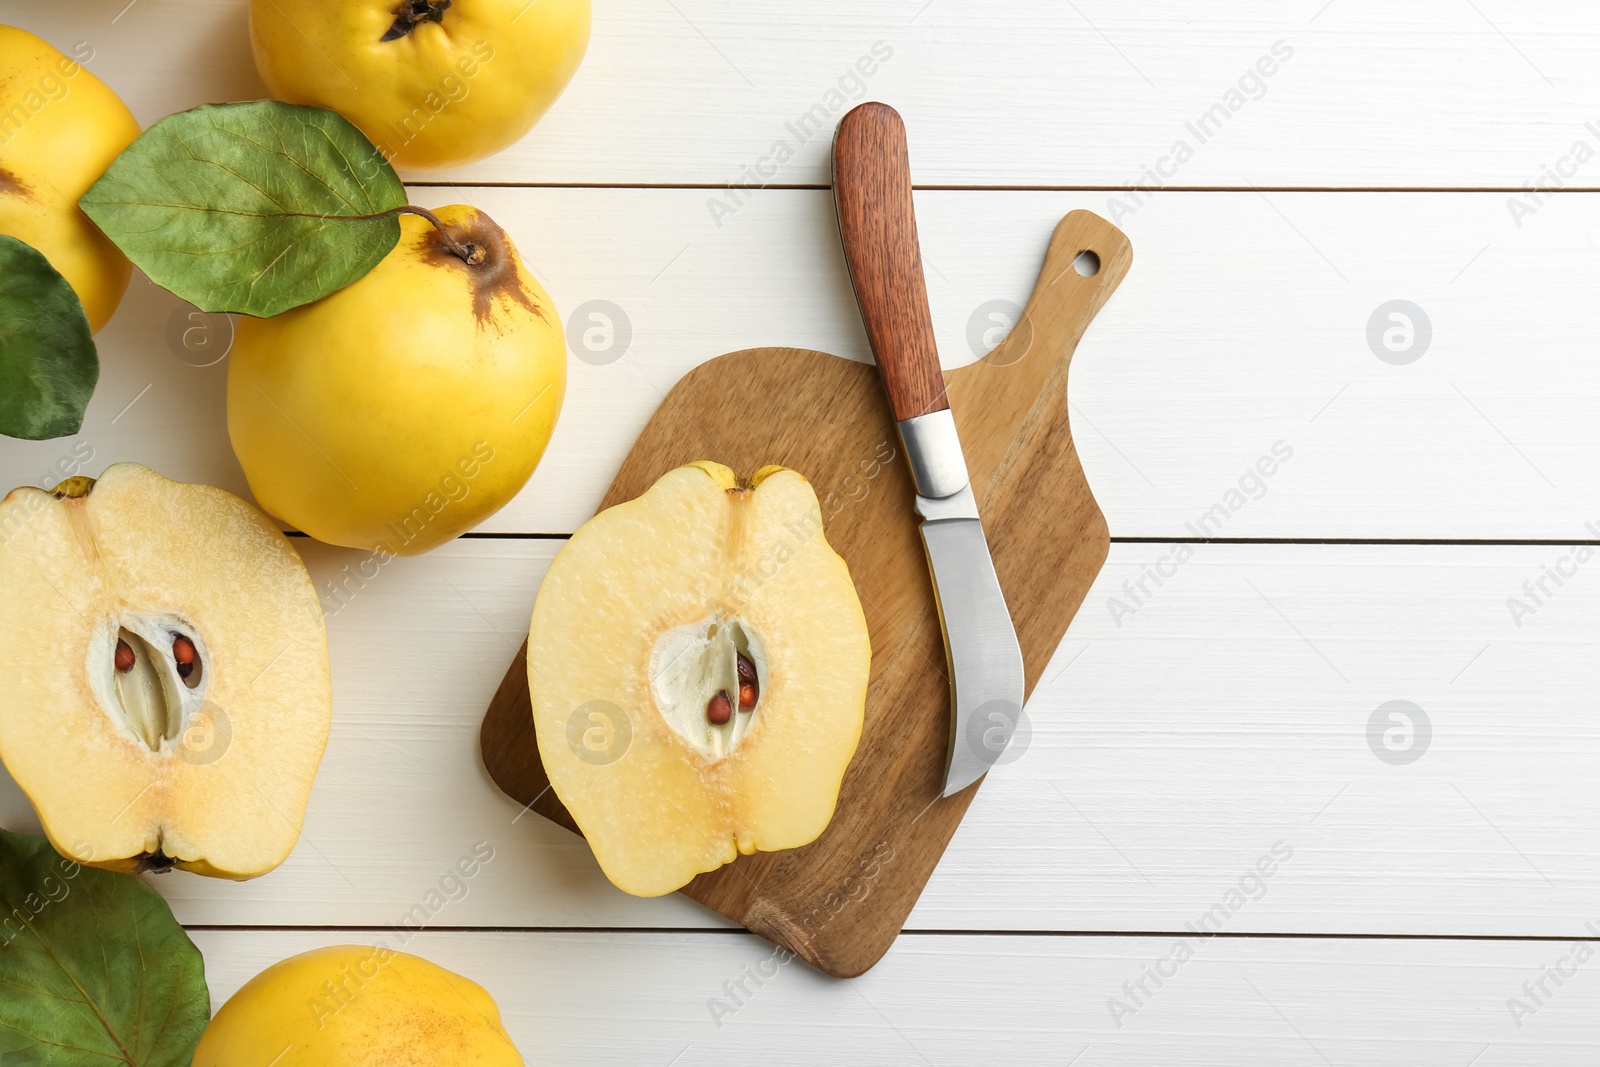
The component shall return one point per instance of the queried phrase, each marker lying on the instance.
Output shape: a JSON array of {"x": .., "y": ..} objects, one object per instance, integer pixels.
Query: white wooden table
[{"x": 1174, "y": 744}]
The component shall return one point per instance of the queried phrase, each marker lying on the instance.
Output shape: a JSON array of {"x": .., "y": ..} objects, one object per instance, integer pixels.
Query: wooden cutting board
[{"x": 840, "y": 902}]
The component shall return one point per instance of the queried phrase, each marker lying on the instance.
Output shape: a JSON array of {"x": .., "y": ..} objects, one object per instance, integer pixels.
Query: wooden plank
[
  {"x": 1166, "y": 755},
  {"x": 1359, "y": 93},
  {"x": 1244, "y": 324},
  {"x": 603, "y": 998}
]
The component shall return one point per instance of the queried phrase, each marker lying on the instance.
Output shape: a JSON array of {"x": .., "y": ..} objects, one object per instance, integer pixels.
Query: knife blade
[{"x": 878, "y": 229}]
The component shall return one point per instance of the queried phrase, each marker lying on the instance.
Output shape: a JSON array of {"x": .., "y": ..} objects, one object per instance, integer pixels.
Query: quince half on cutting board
[{"x": 698, "y": 664}]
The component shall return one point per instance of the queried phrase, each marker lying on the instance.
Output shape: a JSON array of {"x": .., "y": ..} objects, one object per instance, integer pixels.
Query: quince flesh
[
  {"x": 165, "y": 668},
  {"x": 698, "y": 664}
]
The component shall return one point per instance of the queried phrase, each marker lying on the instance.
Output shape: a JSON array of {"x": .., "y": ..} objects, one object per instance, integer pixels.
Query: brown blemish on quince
[
  {"x": 493, "y": 277},
  {"x": 10, "y": 183}
]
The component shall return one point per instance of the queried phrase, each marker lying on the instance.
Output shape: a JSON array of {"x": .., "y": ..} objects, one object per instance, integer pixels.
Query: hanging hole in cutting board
[{"x": 1086, "y": 263}]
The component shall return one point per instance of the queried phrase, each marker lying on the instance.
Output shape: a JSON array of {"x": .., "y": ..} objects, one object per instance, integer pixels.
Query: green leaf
[
  {"x": 94, "y": 970},
  {"x": 48, "y": 364},
  {"x": 255, "y": 208}
]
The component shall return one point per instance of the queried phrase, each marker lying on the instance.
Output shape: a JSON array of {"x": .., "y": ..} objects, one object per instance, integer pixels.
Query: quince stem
[{"x": 468, "y": 253}]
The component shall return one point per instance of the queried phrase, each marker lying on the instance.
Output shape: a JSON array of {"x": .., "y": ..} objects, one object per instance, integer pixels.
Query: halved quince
[
  {"x": 698, "y": 662},
  {"x": 166, "y": 673}
]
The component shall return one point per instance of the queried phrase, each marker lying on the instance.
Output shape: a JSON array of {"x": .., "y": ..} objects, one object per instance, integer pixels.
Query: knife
[{"x": 878, "y": 227}]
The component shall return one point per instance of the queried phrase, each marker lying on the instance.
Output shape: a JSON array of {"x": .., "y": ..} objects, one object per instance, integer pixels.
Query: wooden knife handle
[{"x": 872, "y": 190}]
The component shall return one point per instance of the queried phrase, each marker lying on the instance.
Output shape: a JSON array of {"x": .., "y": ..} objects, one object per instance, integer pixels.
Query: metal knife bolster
[{"x": 938, "y": 467}]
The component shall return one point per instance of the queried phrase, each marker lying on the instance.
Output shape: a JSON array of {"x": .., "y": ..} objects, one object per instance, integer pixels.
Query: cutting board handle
[{"x": 878, "y": 226}]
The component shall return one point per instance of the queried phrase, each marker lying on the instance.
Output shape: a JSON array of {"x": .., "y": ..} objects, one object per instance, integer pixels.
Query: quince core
[
  {"x": 166, "y": 668},
  {"x": 698, "y": 664}
]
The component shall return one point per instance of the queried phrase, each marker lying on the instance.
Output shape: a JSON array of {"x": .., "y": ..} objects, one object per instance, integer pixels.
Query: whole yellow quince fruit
[
  {"x": 60, "y": 128},
  {"x": 357, "y": 1006},
  {"x": 407, "y": 407},
  {"x": 433, "y": 83}
]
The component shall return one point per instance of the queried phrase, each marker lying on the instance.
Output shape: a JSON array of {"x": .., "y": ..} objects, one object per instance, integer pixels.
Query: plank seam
[
  {"x": 1444, "y": 541},
  {"x": 678, "y": 931},
  {"x": 1469, "y": 542},
  {"x": 818, "y": 187}
]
